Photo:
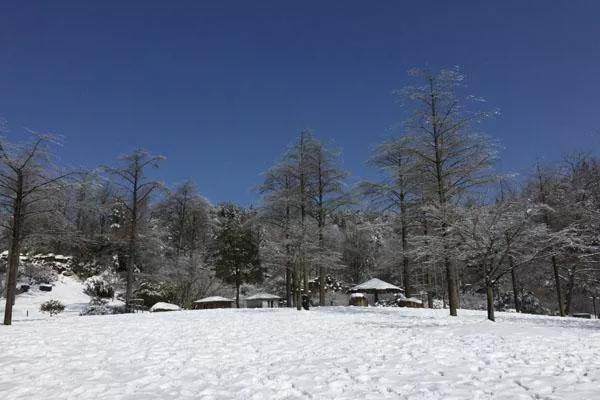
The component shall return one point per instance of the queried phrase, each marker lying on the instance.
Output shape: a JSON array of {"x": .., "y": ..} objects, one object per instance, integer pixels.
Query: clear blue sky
[{"x": 222, "y": 87}]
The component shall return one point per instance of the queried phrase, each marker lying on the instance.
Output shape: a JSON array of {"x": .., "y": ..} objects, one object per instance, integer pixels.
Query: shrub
[
  {"x": 52, "y": 307},
  {"x": 99, "y": 307},
  {"x": 154, "y": 292},
  {"x": 99, "y": 286}
]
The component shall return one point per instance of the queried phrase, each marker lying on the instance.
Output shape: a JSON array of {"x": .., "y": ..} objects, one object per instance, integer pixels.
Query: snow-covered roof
[
  {"x": 161, "y": 306},
  {"x": 376, "y": 285},
  {"x": 213, "y": 299},
  {"x": 356, "y": 295},
  {"x": 263, "y": 296}
]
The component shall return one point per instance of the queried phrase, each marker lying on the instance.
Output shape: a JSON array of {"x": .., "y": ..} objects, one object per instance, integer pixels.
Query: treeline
[{"x": 440, "y": 220}]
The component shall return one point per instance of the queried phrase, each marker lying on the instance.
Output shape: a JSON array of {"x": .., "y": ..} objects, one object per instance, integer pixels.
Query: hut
[
  {"x": 375, "y": 286},
  {"x": 410, "y": 302},
  {"x": 212, "y": 302},
  {"x": 262, "y": 300},
  {"x": 358, "y": 299}
]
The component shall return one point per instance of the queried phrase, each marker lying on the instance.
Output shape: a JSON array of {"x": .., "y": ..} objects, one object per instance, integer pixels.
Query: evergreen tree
[{"x": 236, "y": 250}]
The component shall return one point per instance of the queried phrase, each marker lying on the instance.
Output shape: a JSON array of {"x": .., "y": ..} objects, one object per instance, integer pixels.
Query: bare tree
[
  {"x": 497, "y": 239},
  {"x": 28, "y": 179},
  {"x": 131, "y": 177},
  {"x": 453, "y": 157},
  {"x": 396, "y": 190}
]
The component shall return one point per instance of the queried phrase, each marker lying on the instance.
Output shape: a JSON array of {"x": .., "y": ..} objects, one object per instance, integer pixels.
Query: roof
[
  {"x": 376, "y": 285},
  {"x": 160, "y": 306},
  {"x": 213, "y": 299},
  {"x": 356, "y": 295},
  {"x": 263, "y": 296}
]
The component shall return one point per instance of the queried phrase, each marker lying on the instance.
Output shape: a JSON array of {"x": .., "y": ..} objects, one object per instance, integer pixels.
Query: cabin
[
  {"x": 358, "y": 299},
  {"x": 263, "y": 300},
  {"x": 409, "y": 302},
  {"x": 212, "y": 302}
]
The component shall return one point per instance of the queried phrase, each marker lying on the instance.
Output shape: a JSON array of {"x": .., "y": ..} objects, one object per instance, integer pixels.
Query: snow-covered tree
[
  {"x": 29, "y": 182},
  {"x": 496, "y": 239},
  {"x": 452, "y": 156},
  {"x": 396, "y": 191},
  {"x": 236, "y": 253},
  {"x": 137, "y": 187}
]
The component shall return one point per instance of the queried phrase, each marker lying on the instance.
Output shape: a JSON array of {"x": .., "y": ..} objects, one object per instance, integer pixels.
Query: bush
[
  {"x": 99, "y": 286},
  {"x": 39, "y": 272},
  {"x": 101, "y": 307},
  {"x": 52, "y": 307},
  {"x": 154, "y": 292}
]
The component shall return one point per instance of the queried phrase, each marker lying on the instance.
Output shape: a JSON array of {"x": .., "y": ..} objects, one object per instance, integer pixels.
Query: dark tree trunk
[
  {"x": 429, "y": 291},
  {"x": 297, "y": 301},
  {"x": 515, "y": 287},
  {"x": 237, "y": 292},
  {"x": 14, "y": 251},
  {"x": 559, "y": 299},
  {"x": 452, "y": 287},
  {"x": 132, "y": 245},
  {"x": 490, "y": 301},
  {"x": 569, "y": 294},
  {"x": 288, "y": 287}
]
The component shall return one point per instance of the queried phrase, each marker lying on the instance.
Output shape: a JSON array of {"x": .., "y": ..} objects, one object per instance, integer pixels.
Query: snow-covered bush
[
  {"x": 154, "y": 292},
  {"x": 100, "y": 286},
  {"x": 52, "y": 307},
  {"x": 530, "y": 304},
  {"x": 101, "y": 307},
  {"x": 39, "y": 272}
]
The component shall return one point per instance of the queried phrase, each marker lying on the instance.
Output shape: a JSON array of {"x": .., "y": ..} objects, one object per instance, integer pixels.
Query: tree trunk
[
  {"x": 513, "y": 275},
  {"x": 132, "y": 243},
  {"x": 297, "y": 291},
  {"x": 559, "y": 299},
  {"x": 429, "y": 291},
  {"x": 490, "y": 301},
  {"x": 14, "y": 251},
  {"x": 452, "y": 287},
  {"x": 569, "y": 294},
  {"x": 237, "y": 293},
  {"x": 288, "y": 287},
  {"x": 321, "y": 286}
]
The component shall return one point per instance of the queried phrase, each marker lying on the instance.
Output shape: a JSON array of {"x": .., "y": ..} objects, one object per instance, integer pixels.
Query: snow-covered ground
[
  {"x": 66, "y": 289},
  {"x": 328, "y": 353}
]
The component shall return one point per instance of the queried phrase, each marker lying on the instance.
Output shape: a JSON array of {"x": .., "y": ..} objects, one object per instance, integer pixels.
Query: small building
[
  {"x": 212, "y": 302},
  {"x": 263, "y": 300},
  {"x": 358, "y": 299},
  {"x": 410, "y": 302},
  {"x": 375, "y": 287}
]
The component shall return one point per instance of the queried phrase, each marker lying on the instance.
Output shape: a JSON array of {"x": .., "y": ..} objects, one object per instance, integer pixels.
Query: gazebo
[
  {"x": 212, "y": 302},
  {"x": 375, "y": 286},
  {"x": 262, "y": 300}
]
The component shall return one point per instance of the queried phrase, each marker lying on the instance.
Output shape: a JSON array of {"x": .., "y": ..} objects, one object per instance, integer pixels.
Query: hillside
[{"x": 66, "y": 289}]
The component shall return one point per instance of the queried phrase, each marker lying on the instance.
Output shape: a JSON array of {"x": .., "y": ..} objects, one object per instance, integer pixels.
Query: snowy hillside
[
  {"x": 329, "y": 353},
  {"x": 66, "y": 289}
]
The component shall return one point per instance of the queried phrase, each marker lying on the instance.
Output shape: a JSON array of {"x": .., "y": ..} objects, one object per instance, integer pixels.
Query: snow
[
  {"x": 263, "y": 296},
  {"x": 375, "y": 284},
  {"x": 357, "y": 295},
  {"x": 212, "y": 299},
  {"x": 327, "y": 353},
  {"x": 161, "y": 306},
  {"x": 67, "y": 289}
]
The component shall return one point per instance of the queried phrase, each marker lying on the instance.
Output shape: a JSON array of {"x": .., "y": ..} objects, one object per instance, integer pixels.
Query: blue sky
[{"x": 221, "y": 88}]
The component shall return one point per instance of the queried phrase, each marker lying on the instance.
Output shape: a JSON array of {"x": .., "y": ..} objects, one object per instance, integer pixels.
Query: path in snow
[{"x": 329, "y": 353}]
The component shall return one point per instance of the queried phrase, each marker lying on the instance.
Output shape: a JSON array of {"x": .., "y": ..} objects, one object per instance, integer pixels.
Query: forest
[{"x": 440, "y": 220}]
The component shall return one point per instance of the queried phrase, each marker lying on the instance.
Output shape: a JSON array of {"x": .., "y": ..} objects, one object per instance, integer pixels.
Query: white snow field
[{"x": 327, "y": 353}]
